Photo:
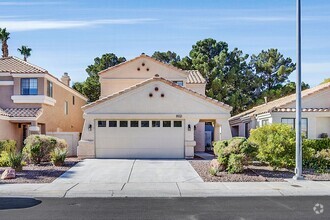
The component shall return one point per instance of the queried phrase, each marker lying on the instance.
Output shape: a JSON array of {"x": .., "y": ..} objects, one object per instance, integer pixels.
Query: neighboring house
[
  {"x": 315, "y": 113},
  {"x": 32, "y": 101},
  {"x": 149, "y": 109}
]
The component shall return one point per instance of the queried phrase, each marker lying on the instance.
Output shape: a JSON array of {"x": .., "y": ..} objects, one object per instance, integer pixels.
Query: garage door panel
[{"x": 139, "y": 142}]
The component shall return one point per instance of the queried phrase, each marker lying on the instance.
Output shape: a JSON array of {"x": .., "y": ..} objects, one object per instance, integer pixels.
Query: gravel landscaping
[
  {"x": 252, "y": 174},
  {"x": 43, "y": 173}
]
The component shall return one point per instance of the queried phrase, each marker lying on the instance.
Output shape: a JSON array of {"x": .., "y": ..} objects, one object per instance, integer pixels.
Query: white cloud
[{"x": 31, "y": 25}]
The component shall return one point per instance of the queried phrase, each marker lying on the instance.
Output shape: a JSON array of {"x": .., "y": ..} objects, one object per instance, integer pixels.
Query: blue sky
[{"x": 67, "y": 35}]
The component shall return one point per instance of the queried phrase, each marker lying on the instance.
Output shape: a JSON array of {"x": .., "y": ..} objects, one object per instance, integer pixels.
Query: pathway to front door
[{"x": 130, "y": 171}]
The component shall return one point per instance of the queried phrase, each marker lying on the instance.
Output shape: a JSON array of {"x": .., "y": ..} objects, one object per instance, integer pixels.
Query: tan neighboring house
[
  {"x": 315, "y": 113},
  {"x": 34, "y": 101},
  {"x": 149, "y": 109}
]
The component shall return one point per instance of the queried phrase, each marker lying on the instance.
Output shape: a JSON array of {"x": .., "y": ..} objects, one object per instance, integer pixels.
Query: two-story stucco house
[
  {"x": 32, "y": 101},
  {"x": 149, "y": 109},
  {"x": 315, "y": 113}
]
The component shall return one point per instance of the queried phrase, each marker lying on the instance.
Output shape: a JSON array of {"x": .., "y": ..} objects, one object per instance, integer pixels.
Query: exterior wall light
[
  {"x": 90, "y": 127},
  {"x": 189, "y": 127}
]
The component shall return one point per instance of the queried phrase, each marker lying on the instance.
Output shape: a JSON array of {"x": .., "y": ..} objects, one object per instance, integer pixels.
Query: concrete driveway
[{"x": 103, "y": 171}]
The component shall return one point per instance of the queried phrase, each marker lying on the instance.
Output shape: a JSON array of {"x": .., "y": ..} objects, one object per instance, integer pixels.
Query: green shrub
[
  {"x": 7, "y": 145},
  {"x": 38, "y": 147},
  {"x": 235, "y": 163},
  {"x": 317, "y": 144},
  {"x": 57, "y": 156},
  {"x": 231, "y": 148},
  {"x": 320, "y": 162},
  {"x": 213, "y": 171},
  {"x": 276, "y": 144},
  {"x": 4, "y": 159},
  {"x": 15, "y": 161}
]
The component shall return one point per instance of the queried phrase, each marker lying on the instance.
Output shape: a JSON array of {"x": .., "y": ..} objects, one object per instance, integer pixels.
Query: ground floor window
[
  {"x": 264, "y": 122},
  {"x": 292, "y": 123}
]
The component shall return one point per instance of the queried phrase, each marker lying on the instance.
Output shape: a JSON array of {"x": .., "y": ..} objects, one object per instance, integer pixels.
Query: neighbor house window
[
  {"x": 155, "y": 123},
  {"x": 177, "y": 123},
  {"x": 29, "y": 86},
  {"x": 66, "y": 108},
  {"x": 101, "y": 124},
  {"x": 144, "y": 123},
  {"x": 134, "y": 124},
  {"x": 112, "y": 124},
  {"x": 246, "y": 130},
  {"x": 180, "y": 83},
  {"x": 264, "y": 122},
  {"x": 292, "y": 123},
  {"x": 49, "y": 89},
  {"x": 166, "y": 124}
]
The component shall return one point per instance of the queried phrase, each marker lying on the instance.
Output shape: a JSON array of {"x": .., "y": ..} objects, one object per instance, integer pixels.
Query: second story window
[
  {"x": 29, "y": 86},
  {"x": 66, "y": 107},
  {"x": 180, "y": 83},
  {"x": 49, "y": 89}
]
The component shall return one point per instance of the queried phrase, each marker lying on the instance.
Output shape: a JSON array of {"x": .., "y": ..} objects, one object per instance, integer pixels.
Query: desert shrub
[
  {"x": 276, "y": 144},
  {"x": 4, "y": 159},
  {"x": 235, "y": 163},
  {"x": 15, "y": 161},
  {"x": 235, "y": 146},
  {"x": 320, "y": 162},
  {"x": 317, "y": 144},
  {"x": 213, "y": 171},
  {"x": 38, "y": 147},
  {"x": 7, "y": 145},
  {"x": 57, "y": 156}
]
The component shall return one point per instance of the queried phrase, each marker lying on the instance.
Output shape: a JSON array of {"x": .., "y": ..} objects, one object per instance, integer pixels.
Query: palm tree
[
  {"x": 4, "y": 36},
  {"x": 25, "y": 51}
]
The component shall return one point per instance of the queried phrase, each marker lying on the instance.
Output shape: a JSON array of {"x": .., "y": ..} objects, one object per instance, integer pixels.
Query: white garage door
[{"x": 139, "y": 139}]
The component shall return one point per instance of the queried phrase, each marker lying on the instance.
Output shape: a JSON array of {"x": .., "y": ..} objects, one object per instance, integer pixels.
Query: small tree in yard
[{"x": 276, "y": 144}]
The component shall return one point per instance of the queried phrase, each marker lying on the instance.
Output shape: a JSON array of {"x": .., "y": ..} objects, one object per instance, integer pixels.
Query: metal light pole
[{"x": 298, "y": 169}]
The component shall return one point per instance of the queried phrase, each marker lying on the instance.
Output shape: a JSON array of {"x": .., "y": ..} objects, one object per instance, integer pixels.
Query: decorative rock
[
  {"x": 216, "y": 165},
  {"x": 9, "y": 173}
]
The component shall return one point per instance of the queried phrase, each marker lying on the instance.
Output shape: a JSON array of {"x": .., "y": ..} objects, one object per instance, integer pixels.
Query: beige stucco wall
[
  {"x": 127, "y": 75},
  {"x": 200, "y": 88},
  {"x": 317, "y": 100},
  {"x": 9, "y": 131},
  {"x": 54, "y": 116}
]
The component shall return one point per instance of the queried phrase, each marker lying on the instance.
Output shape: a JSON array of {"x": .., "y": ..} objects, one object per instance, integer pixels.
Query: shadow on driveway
[{"x": 17, "y": 203}]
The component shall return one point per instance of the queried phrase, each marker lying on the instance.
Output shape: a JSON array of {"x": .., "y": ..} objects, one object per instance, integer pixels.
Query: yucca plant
[
  {"x": 57, "y": 156},
  {"x": 15, "y": 161}
]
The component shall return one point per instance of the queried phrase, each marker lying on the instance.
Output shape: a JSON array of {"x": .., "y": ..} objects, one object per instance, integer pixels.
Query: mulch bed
[
  {"x": 43, "y": 173},
  {"x": 252, "y": 174}
]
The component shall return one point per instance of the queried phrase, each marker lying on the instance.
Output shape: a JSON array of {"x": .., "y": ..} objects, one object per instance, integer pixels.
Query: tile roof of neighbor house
[
  {"x": 147, "y": 57},
  {"x": 278, "y": 103},
  {"x": 195, "y": 77},
  {"x": 216, "y": 102},
  {"x": 303, "y": 109},
  {"x": 21, "y": 112},
  {"x": 16, "y": 65}
]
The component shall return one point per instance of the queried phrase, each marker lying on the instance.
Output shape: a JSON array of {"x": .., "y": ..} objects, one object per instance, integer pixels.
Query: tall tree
[
  {"x": 272, "y": 68},
  {"x": 25, "y": 51},
  {"x": 168, "y": 57},
  {"x": 4, "y": 36},
  {"x": 91, "y": 86}
]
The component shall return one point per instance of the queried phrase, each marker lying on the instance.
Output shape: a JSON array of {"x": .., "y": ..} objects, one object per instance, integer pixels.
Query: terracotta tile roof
[
  {"x": 195, "y": 77},
  {"x": 22, "y": 112},
  {"x": 16, "y": 65},
  {"x": 147, "y": 57},
  {"x": 303, "y": 109},
  {"x": 3, "y": 113},
  {"x": 278, "y": 103},
  {"x": 214, "y": 101}
]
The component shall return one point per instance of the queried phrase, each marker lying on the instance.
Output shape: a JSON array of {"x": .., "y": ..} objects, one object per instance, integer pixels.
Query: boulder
[
  {"x": 9, "y": 173},
  {"x": 216, "y": 165}
]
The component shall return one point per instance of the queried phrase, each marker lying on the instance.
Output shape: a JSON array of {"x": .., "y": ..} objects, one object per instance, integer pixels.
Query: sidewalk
[{"x": 206, "y": 189}]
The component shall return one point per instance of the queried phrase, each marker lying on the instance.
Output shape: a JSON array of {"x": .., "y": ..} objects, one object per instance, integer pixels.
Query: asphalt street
[{"x": 166, "y": 208}]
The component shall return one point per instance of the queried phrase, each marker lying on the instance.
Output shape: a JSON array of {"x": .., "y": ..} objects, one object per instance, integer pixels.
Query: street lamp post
[{"x": 298, "y": 169}]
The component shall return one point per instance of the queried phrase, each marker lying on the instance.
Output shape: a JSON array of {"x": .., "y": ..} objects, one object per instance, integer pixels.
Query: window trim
[
  {"x": 66, "y": 107},
  {"x": 294, "y": 123}
]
